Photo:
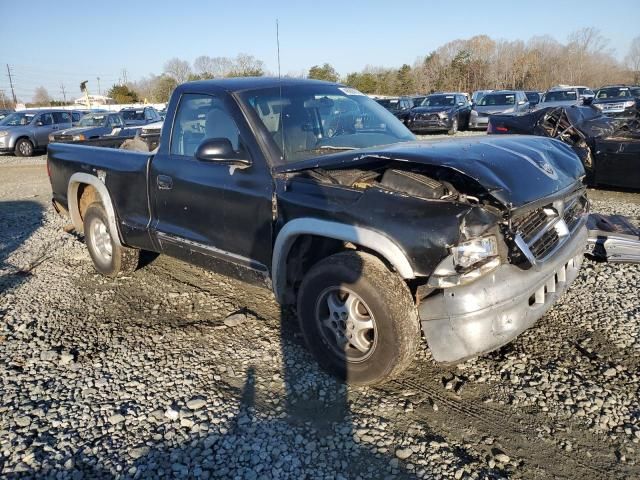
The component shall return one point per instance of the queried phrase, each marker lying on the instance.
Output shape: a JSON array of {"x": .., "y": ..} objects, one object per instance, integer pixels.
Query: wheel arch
[
  {"x": 373, "y": 241},
  {"x": 23, "y": 136},
  {"x": 77, "y": 183}
]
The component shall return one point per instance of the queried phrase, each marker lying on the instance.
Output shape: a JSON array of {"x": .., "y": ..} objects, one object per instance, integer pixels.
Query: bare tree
[
  {"x": 177, "y": 69},
  {"x": 632, "y": 59},
  {"x": 212, "y": 67},
  {"x": 245, "y": 65},
  {"x": 41, "y": 96}
]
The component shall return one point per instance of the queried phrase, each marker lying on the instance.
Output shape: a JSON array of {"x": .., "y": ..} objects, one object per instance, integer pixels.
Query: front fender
[{"x": 365, "y": 237}]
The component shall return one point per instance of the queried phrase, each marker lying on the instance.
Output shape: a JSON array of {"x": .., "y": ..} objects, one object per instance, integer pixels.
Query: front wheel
[
  {"x": 109, "y": 257},
  {"x": 24, "y": 148},
  {"x": 358, "y": 318}
]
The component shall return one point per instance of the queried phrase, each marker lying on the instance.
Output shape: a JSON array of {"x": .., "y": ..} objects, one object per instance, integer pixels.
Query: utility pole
[
  {"x": 64, "y": 94},
  {"x": 13, "y": 93},
  {"x": 98, "y": 78},
  {"x": 124, "y": 76}
]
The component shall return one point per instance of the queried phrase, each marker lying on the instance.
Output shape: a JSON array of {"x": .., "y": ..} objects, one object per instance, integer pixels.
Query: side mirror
[
  {"x": 460, "y": 104},
  {"x": 220, "y": 150},
  {"x": 587, "y": 100},
  {"x": 521, "y": 102},
  {"x": 39, "y": 123}
]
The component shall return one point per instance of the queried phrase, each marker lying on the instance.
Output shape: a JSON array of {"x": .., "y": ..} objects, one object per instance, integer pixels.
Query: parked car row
[
  {"x": 25, "y": 132},
  {"x": 451, "y": 111}
]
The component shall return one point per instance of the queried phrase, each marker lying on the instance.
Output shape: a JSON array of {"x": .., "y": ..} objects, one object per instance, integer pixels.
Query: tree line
[{"x": 464, "y": 65}]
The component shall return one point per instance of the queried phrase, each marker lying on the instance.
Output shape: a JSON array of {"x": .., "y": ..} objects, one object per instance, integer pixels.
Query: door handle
[{"x": 164, "y": 182}]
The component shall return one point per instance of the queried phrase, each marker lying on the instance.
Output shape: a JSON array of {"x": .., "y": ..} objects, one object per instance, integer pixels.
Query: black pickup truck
[{"x": 315, "y": 191}]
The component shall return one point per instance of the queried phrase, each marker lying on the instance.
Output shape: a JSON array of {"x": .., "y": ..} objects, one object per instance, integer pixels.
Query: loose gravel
[{"x": 176, "y": 372}]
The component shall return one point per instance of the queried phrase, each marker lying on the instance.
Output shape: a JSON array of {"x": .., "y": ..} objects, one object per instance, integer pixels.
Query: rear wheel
[
  {"x": 24, "y": 148},
  {"x": 358, "y": 318},
  {"x": 109, "y": 257}
]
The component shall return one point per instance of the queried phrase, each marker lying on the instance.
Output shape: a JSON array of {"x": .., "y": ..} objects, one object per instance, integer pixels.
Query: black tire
[
  {"x": 454, "y": 126},
  {"x": 24, "y": 148},
  {"x": 386, "y": 299},
  {"x": 109, "y": 258}
]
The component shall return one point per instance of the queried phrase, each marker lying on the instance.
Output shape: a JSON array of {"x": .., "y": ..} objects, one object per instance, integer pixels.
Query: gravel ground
[{"x": 178, "y": 372}]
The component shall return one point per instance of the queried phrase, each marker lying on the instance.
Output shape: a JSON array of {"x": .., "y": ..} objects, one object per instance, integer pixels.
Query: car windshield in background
[
  {"x": 439, "y": 101},
  {"x": 133, "y": 114},
  {"x": 617, "y": 92},
  {"x": 92, "y": 121},
  {"x": 391, "y": 105},
  {"x": 306, "y": 121},
  {"x": 16, "y": 119},
  {"x": 491, "y": 99},
  {"x": 561, "y": 96},
  {"x": 533, "y": 96}
]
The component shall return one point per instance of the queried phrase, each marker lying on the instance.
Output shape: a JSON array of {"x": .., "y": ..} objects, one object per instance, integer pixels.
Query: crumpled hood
[{"x": 515, "y": 170}]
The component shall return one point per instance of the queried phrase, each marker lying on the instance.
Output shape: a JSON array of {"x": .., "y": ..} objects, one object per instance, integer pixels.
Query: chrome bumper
[{"x": 469, "y": 320}]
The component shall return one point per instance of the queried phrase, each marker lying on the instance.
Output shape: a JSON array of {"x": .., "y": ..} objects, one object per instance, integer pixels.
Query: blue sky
[{"x": 73, "y": 41}]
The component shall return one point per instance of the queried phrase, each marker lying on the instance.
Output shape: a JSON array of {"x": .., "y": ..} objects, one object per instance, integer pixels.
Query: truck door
[{"x": 206, "y": 212}]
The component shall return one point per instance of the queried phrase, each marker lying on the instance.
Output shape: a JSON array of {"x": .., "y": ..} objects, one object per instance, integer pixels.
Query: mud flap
[{"x": 613, "y": 238}]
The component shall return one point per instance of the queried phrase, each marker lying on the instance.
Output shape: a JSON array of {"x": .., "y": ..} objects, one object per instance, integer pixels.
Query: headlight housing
[
  {"x": 474, "y": 251},
  {"x": 599, "y": 106},
  {"x": 51, "y": 138},
  {"x": 4, "y": 133},
  {"x": 629, "y": 103},
  {"x": 468, "y": 261},
  {"x": 77, "y": 138},
  {"x": 443, "y": 115}
]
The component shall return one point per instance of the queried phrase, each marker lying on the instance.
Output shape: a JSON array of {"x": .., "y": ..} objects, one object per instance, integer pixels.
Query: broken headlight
[
  {"x": 467, "y": 262},
  {"x": 469, "y": 253}
]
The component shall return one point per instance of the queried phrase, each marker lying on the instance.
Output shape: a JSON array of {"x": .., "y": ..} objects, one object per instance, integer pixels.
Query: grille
[
  {"x": 63, "y": 138},
  {"x": 529, "y": 225},
  {"x": 613, "y": 106},
  {"x": 545, "y": 244},
  {"x": 542, "y": 230}
]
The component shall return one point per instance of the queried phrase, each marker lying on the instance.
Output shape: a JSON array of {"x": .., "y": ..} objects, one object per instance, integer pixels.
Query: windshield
[
  {"x": 560, "y": 96},
  {"x": 306, "y": 121},
  {"x": 491, "y": 99},
  {"x": 92, "y": 121},
  {"x": 133, "y": 114},
  {"x": 393, "y": 105},
  {"x": 439, "y": 101},
  {"x": 533, "y": 96},
  {"x": 17, "y": 119},
  {"x": 617, "y": 92}
]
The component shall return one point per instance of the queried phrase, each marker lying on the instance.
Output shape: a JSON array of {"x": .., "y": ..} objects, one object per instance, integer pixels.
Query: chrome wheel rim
[
  {"x": 101, "y": 240},
  {"x": 346, "y": 324},
  {"x": 24, "y": 147}
]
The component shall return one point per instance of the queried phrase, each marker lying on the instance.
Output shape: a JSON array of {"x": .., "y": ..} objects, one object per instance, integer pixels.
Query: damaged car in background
[
  {"x": 609, "y": 149},
  {"x": 313, "y": 190}
]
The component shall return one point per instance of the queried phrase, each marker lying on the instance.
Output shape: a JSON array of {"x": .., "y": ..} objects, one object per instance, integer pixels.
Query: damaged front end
[{"x": 494, "y": 229}]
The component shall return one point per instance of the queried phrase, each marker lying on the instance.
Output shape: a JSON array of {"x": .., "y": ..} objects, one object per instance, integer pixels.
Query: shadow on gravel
[{"x": 18, "y": 220}]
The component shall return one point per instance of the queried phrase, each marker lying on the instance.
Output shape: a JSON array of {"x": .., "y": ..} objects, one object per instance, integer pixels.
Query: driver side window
[
  {"x": 201, "y": 117},
  {"x": 46, "y": 119}
]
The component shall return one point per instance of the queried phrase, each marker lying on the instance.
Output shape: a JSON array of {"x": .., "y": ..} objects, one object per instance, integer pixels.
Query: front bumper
[
  {"x": 431, "y": 125},
  {"x": 469, "y": 320},
  {"x": 478, "y": 122}
]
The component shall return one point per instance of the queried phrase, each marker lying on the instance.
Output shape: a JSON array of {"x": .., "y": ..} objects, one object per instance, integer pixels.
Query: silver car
[
  {"x": 564, "y": 97},
  {"x": 500, "y": 101},
  {"x": 22, "y": 133}
]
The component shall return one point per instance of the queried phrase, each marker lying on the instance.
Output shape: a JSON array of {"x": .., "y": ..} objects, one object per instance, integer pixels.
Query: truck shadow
[{"x": 19, "y": 219}]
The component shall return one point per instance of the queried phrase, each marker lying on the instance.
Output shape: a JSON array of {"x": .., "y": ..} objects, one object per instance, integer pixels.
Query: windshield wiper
[{"x": 331, "y": 147}]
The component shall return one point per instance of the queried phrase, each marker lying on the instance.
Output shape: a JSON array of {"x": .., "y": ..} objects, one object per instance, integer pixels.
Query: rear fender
[{"x": 78, "y": 179}]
